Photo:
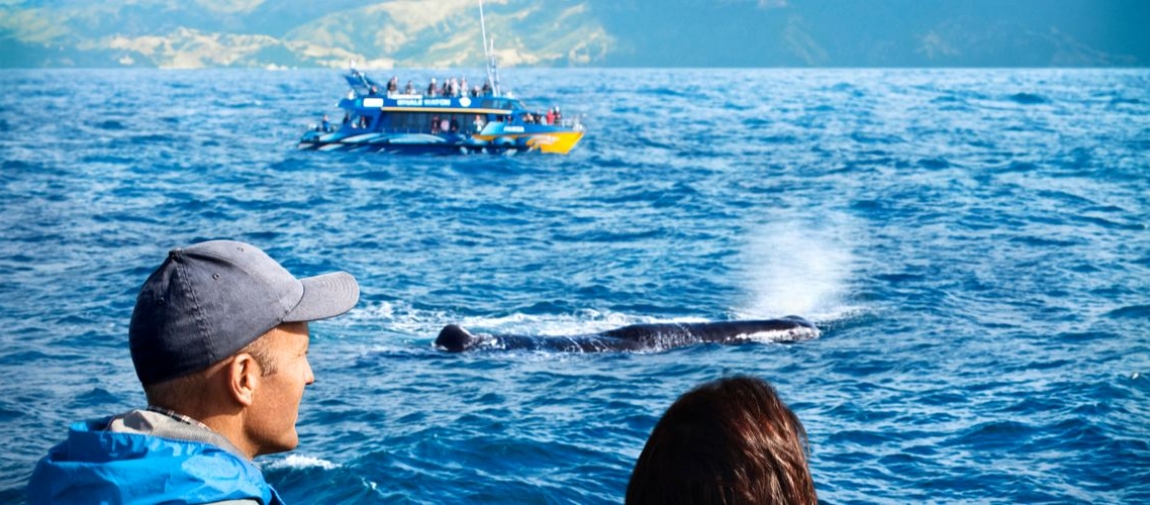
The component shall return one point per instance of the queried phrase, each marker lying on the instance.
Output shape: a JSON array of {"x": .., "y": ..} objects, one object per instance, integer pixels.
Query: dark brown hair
[{"x": 729, "y": 441}]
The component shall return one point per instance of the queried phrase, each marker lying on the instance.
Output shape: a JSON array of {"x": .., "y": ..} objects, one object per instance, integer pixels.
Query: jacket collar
[{"x": 163, "y": 423}]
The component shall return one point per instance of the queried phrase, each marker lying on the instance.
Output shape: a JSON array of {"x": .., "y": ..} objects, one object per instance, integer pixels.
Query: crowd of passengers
[{"x": 449, "y": 87}]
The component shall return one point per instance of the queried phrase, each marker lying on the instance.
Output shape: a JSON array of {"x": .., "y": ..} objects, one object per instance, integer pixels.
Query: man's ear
[{"x": 244, "y": 378}]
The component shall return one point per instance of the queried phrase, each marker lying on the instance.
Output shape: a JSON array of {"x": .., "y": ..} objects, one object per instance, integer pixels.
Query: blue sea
[{"x": 974, "y": 245}]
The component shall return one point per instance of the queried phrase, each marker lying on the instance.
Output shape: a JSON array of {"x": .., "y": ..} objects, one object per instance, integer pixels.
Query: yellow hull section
[{"x": 550, "y": 142}]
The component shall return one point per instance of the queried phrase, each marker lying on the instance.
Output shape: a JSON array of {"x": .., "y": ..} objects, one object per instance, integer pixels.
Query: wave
[
  {"x": 1132, "y": 312},
  {"x": 111, "y": 125},
  {"x": 297, "y": 462},
  {"x": 934, "y": 163},
  {"x": 1027, "y": 99},
  {"x": 870, "y": 138}
]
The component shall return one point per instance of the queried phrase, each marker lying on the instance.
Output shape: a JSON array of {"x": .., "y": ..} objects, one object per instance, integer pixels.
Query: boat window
[
  {"x": 501, "y": 103},
  {"x": 409, "y": 122}
]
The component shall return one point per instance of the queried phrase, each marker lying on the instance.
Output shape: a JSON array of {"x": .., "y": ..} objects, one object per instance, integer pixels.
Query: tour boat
[
  {"x": 378, "y": 121},
  {"x": 441, "y": 120}
]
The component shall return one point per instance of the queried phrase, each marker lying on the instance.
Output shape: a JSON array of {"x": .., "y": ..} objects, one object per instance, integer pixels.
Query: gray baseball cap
[{"x": 209, "y": 300}]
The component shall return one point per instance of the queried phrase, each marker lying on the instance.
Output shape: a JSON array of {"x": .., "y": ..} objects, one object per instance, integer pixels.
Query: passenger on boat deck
[
  {"x": 432, "y": 89},
  {"x": 325, "y": 125},
  {"x": 558, "y": 116},
  {"x": 487, "y": 88},
  {"x": 463, "y": 89},
  {"x": 374, "y": 90},
  {"x": 409, "y": 89},
  {"x": 475, "y": 91},
  {"x": 479, "y": 123},
  {"x": 393, "y": 85},
  {"x": 434, "y": 124},
  {"x": 550, "y": 116},
  {"x": 444, "y": 125}
]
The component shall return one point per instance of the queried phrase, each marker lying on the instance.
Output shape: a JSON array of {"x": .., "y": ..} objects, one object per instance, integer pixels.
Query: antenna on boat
[{"x": 488, "y": 53}]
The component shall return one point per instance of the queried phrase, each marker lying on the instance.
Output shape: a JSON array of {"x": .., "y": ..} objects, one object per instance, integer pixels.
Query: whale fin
[{"x": 453, "y": 338}]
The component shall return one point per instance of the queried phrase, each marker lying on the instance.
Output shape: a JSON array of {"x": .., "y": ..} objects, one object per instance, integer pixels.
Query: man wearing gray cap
[{"x": 219, "y": 340}]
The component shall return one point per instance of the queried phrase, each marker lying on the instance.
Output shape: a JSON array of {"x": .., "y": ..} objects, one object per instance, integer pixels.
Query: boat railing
[{"x": 572, "y": 123}]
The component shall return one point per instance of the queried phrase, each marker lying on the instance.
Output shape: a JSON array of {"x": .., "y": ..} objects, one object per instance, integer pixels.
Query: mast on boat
[{"x": 489, "y": 53}]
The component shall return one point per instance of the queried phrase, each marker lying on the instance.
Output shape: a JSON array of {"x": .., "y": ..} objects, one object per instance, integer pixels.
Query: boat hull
[
  {"x": 555, "y": 142},
  {"x": 560, "y": 142}
]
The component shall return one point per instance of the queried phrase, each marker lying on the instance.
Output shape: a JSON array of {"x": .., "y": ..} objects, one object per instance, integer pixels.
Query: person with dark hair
[
  {"x": 219, "y": 341},
  {"x": 729, "y": 441}
]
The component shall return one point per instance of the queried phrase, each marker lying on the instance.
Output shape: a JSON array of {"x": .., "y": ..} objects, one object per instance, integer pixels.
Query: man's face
[{"x": 275, "y": 406}]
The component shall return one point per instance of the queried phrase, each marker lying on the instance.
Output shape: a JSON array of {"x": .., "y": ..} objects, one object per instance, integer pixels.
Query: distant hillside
[
  {"x": 637, "y": 33},
  {"x": 296, "y": 33}
]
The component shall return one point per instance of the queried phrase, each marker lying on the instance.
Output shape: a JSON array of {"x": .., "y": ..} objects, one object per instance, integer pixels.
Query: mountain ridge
[{"x": 556, "y": 33}]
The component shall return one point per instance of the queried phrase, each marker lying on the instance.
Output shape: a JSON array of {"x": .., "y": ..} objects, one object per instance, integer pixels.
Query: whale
[{"x": 636, "y": 337}]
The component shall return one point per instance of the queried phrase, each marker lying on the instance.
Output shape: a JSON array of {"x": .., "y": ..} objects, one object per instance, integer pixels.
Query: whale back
[
  {"x": 668, "y": 335},
  {"x": 637, "y": 337}
]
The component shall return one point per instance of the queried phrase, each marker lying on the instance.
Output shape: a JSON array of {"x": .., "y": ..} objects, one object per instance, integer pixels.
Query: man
[{"x": 219, "y": 340}]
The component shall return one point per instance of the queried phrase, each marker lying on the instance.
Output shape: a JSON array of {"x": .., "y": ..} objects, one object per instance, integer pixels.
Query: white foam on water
[
  {"x": 296, "y": 462},
  {"x": 790, "y": 335},
  {"x": 553, "y": 325}
]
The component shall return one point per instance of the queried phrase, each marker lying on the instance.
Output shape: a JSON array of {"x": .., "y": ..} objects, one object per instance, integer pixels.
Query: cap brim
[{"x": 325, "y": 296}]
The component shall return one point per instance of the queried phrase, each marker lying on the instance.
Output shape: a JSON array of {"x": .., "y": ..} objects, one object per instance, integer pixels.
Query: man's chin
[{"x": 280, "y": 446}]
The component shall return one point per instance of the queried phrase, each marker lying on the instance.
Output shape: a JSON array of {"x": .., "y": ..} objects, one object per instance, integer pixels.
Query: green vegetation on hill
[{"x": 634, "y": 33}]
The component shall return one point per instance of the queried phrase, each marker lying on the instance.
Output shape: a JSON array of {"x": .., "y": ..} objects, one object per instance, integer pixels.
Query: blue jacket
[{"x": 98, "y": 466}]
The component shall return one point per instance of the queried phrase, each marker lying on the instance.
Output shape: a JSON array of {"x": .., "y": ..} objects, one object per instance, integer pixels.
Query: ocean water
[{"x": 974, "y": 244}]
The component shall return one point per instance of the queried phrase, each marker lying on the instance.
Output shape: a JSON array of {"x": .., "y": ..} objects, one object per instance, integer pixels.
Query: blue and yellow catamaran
[{"x": 447, "y": 120}]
